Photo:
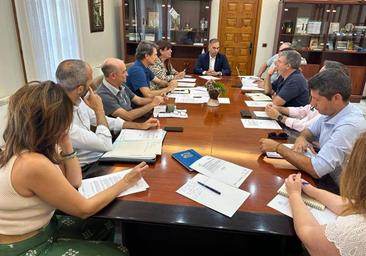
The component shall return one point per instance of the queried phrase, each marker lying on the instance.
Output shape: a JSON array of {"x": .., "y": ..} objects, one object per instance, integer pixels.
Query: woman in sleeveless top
[
  {"x": 39, "y": 172},
  {"x": 163, "y": 67},
  {"x": 347, "y": 235}
]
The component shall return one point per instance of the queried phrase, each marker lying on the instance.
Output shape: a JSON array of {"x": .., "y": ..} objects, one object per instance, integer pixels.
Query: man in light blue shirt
[{"x": 336, "y": 130}]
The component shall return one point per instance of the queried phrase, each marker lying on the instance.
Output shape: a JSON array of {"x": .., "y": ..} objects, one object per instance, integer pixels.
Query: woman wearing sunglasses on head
[{"x": 39, "y": 172}]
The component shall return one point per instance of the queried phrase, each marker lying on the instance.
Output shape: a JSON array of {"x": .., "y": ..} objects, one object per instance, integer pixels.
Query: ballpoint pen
[{"x": 208, "y": 187}]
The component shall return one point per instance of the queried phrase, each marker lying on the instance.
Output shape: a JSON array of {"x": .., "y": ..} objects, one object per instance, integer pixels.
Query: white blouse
[{"x": 348, "y": 233}]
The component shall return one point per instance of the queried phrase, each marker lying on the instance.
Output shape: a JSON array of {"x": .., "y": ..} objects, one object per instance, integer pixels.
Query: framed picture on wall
[{"x": 96, "y": 15}]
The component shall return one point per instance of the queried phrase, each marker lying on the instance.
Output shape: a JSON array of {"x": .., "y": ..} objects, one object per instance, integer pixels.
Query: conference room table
[{"x": 215, "y": 131}]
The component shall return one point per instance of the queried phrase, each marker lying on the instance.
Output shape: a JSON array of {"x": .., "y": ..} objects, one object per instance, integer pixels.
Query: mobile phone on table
[
  {"x": 173, "y": 128},
  {"x": 245, "y": 114}
]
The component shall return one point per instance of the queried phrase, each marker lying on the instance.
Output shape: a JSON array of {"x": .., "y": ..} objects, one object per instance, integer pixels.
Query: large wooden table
[{"x": 215, "y": 131}]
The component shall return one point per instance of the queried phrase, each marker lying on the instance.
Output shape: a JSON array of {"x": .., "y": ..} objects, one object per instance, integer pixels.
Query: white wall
[
  {"x": 266, "y": 34},
  {"x": 97, "y": 46},
  {"x": 11, "y": 73}
]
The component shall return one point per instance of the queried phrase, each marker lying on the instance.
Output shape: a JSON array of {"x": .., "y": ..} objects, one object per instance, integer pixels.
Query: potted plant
[{"x": 215, "y": 89}]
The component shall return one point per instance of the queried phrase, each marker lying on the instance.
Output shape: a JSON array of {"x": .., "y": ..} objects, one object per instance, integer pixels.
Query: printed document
[
  {"x": 210, "y": 77},
  {"x": 248, "y": 84},
  {"x": 260, "y": 124},
  {"x": 92, "y": 186},
  {"x": 257, "y": 104},
  {"x": 258, "y": 96},
  {"x": 261, "y": 114},
  {"x": 186, "y": 85},
  {"x": 270, "y": 154},
  {"x": 225, "y": 200},
  {"x": 221, "y": 170},
  {"x": 187, "y": 80},
  {"x": 281, "y": 204}
]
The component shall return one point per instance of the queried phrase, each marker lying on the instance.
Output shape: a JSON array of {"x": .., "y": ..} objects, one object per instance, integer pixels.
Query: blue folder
[{"x": 186, "y": 157}]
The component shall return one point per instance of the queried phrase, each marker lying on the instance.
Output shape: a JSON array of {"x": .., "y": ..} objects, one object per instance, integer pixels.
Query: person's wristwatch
[{"x": 279, "y": 118}]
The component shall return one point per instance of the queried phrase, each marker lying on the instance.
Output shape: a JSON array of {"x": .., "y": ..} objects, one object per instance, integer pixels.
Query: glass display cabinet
[
  {"x": 326, "y": 30},
  {"x": 185, "y": 23}
]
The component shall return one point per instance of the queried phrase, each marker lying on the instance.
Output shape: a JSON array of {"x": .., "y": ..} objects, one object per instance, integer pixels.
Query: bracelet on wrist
[{"x": 68, "y": 156}]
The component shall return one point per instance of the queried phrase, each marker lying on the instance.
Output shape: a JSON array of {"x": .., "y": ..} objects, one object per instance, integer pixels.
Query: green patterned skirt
[{"x": 69, "y": 236}]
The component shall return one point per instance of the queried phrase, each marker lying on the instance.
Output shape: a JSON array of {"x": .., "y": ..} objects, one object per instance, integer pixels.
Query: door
[{"x": 238, "y": 30}]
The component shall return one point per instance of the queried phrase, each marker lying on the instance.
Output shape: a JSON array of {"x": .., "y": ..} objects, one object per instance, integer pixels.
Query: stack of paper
[
  {"x": 260, "y": 124},
  {"x": 258, "y": 96},
  {"x": 248, "y": 84},
  {"x": 136, "y": 146},
  {"x": 210, "y": 77},
  {"x": 160, "y": 111},
  {"x": 91, "y": 187},
  {"x": 256, "y": 104},
  {"x": 197, "y": 95},
  {"x": 217, "y": 185}
]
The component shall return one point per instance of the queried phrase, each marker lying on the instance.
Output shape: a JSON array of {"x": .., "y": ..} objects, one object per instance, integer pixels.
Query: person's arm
[
  {"x": 137, "y": 112},
  {"x": 96, "y": 104},
  {"x": 261, "y": 70},
  {"x": 332, "y": 201},
  {"x": 140, "y": 101},
  {"x": 199, "y": 68},
  {"x": 310, "y": 232},
  {"x": 302, "y": 142},
  {"x": 225, "y": 70},
  {"x": 70, "y": 165},
  {"x": 278, "y": 100},
  {"x": 299, "y": 160},
  {"x": 151, "y": 123},
  {"x": 43, "y": 179},
  {"x": 146, "y": 92},
  {"x": 268, "y": 86}
]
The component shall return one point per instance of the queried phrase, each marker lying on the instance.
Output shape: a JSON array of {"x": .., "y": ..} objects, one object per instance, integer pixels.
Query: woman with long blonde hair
[
  {"x": 39, "y": 172},
  {"x": 347, "y": 235}
]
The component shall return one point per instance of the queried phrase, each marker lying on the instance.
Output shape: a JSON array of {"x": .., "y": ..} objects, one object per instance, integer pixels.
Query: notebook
[
  {"x": 187, "y": 157},
  {"x": 307, "y": 200}
]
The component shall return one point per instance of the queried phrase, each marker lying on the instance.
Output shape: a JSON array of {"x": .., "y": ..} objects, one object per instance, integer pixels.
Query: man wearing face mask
[{"x": 76, "y": 76}]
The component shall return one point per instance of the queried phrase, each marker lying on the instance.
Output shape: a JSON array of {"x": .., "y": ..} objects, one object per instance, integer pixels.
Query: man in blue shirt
[
  {"x": 139, "y": 75},
  {"x": 336, "y": 130},
  {"x": 212, "y": 63},
  {"x": 290, "y": 89}
]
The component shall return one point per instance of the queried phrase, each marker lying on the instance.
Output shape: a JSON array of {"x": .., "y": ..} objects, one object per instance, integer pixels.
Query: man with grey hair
[
  {"x": 291, "y": 88},
  {"x": 139, "y": 75},
  {"x": 76, "y": 76},
  {"x": 270, "y": 64}
]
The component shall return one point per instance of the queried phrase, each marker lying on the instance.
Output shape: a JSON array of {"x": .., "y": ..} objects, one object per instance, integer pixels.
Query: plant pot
[{"x": 214, "y": 95}]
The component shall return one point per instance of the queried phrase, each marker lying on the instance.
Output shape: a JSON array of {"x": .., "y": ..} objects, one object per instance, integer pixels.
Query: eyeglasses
[{"x": 277, "y": 136}]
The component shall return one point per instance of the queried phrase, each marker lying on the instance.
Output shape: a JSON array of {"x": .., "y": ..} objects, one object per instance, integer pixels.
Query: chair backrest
[
  {"x": 128, "y": 65},
  {"x": 96, "y": 82}
]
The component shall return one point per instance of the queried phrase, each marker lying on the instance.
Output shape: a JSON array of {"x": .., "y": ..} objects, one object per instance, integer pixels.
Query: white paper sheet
[
  {"x": 210, "y": 77},
  {"x": 186, "y": 85},
  {"x": 224, "y": 100},
  {"x": 281, "y": 204},
  {"x": 227, "y": 203},
  {"x": 221, "y": 170},
  {"x": 257, "y": 96},
  {"x": 132, "y": 134},
  {"x": 92, "y": 186},
  {"x": 261, "y": 114},
  {"x": 187, "y": 80},
  {"x": 192, "y": 100},
  {"x": 260, "y": 124},
  {"x": 248, "y": 84},
  {"x": 257, "y": 104},
  {"x": 270, "y": 154}
]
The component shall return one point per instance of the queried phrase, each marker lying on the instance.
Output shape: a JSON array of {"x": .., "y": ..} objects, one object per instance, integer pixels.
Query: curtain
[{"x": 48, "y": 33}]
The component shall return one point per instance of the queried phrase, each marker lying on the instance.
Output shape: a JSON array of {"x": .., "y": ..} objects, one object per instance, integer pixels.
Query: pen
[
  {"x": 197, "y": 97},
  {"x": 212, "y": 189}
]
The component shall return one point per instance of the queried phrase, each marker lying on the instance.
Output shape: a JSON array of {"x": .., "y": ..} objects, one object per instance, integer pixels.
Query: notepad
[
  {"x": 282, "y": 204},
  {"x": 136, "y": 146},
  {"x": 187, "y": 157},
  {"x": 307, "y": 200}
]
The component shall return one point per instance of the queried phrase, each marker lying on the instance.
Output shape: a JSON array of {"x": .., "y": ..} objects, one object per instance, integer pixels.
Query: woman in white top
[
  {"x": 347, "y": 235},
  {"x": 39, "y": 172}
]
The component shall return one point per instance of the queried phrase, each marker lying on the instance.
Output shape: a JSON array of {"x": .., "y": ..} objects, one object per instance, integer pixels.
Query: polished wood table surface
[{"x": 215, "y": 131}]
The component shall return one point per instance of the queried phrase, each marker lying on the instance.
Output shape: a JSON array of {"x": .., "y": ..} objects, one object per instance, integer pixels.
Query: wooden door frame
[{"x": 256, "y": 32}]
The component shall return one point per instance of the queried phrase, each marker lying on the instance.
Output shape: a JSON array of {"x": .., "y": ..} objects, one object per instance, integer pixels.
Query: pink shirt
[{"x": 301, "y": 117}]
